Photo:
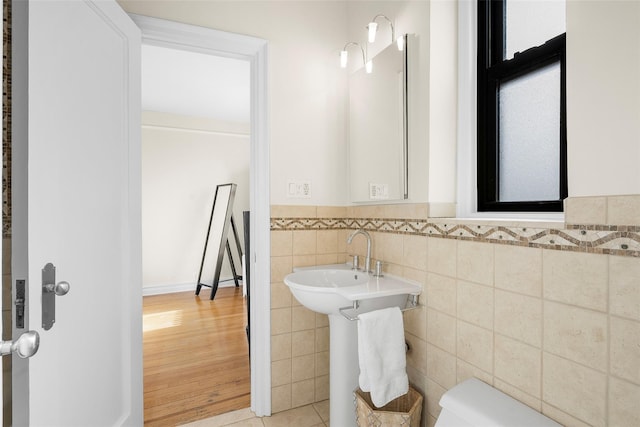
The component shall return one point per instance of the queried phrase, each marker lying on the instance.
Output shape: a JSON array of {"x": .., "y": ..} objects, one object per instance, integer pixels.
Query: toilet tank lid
[{"x": 481, "y": 405}]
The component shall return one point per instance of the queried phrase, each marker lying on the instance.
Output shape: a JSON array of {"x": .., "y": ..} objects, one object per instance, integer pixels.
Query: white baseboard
[{"x": 181, "y": 287}]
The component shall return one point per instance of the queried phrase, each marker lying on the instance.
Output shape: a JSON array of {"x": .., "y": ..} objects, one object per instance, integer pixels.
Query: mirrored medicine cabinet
[{"x": 378, "y": 126}]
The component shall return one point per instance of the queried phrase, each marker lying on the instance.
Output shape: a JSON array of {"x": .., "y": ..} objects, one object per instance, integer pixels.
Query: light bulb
[
  {"x": 369, "y": 67},
  {"x": 343, "y": 58},
  {"x": 373, "y": 27},
  {"x": 400, "y": 42}
]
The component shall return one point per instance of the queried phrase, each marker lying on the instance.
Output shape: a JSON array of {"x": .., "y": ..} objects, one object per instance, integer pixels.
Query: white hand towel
[{"x": 382, "y": 357}]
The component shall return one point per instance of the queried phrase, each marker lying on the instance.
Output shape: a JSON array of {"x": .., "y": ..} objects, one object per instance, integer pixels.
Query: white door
[{"x": 76, "y": 144}]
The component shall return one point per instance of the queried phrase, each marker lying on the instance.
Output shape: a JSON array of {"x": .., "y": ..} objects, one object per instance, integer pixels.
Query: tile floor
[{"x": 314, "y": 415}]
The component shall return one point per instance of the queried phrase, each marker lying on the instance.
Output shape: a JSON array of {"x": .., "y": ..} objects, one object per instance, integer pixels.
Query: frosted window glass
[
  {"x": 530, "y": 23},
  {"x": 529, "y": 154}
]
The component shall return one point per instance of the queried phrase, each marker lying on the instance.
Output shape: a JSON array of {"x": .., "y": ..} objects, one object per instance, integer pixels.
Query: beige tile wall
[
  {"x": 300, "y": 337},
  {"x": 557, "y": 330}
]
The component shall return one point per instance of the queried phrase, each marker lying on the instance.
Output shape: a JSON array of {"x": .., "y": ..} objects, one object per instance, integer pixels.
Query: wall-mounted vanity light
[
  {"x": 373, "y": 28},
  {"x": 344, "y": 55}
]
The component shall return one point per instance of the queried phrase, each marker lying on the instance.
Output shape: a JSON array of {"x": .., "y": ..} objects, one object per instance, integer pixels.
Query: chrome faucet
[{"x": 367, "y": 260}]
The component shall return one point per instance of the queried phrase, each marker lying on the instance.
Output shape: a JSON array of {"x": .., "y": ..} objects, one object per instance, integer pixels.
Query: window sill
[{"x": 544, "y": 220}]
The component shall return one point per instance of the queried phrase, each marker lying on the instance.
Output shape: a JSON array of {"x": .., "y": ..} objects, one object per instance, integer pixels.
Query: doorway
[
  {"x": 253, "y": 50},
  {"x": 159, "y": 32},
  {"x": 195, "y": 135}
]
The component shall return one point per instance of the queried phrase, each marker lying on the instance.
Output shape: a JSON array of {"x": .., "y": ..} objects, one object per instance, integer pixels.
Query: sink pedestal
[
  {"x": 334, "y": 290},
  {"x": 344, "y": 370}
]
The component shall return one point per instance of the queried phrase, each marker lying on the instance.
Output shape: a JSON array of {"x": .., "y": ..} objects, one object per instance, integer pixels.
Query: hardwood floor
[{"x": 196, "y": 362}]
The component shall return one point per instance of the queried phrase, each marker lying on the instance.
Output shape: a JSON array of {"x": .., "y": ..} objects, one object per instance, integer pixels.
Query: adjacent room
[{"x": 195, "y": 136}]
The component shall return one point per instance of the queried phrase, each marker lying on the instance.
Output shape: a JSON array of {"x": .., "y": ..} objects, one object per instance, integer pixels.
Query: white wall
[
  {"x": 306, "y": 85},
  {"x": 308, "y": 90},
  {"x": 183, "y": 159},
  {"x": 443, "y": 83},
  {"x": 603, "y": 97},
  {"x": 309, "y": 94}
]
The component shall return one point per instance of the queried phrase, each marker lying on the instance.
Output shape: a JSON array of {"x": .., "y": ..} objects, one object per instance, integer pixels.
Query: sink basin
[
  {"x": 343, "y": 293},
  {"x": 318, "y": 289},
  {"x": 326, "y": 290}
]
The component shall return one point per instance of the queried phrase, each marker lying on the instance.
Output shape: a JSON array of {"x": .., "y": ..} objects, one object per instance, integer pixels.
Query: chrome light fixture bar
[
  {"x": 344, "y": 57},
  {"x": 373, "y": 28}
]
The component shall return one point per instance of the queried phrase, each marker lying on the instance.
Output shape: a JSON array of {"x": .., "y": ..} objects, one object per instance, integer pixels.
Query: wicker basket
[{"x": 403, "y": 411}]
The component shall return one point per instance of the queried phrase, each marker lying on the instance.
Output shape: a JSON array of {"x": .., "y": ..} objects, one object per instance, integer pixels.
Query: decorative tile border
[
  {"x": 6, "y": 118},
  {"x": 598, "y": 239},
  {"x": 310, "y": 223}
]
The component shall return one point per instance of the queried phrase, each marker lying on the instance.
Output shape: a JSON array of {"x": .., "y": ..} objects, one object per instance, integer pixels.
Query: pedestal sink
[{"x": 342, "y": 293}]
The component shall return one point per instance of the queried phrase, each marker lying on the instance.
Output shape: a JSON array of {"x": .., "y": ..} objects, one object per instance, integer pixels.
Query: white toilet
[{"x": 473, "y": 403}]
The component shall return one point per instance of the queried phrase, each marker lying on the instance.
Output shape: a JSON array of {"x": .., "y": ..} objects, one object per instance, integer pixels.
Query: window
[{"x": 521, "y": 114}]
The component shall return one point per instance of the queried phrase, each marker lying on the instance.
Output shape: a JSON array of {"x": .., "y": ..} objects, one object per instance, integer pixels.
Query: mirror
[
  {"x": 216, "y": 241},
  {"x": 378, "y": 142}
]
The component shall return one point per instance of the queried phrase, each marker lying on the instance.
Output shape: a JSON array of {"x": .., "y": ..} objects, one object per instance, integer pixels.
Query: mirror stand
[{"x": 220, "y": 222}]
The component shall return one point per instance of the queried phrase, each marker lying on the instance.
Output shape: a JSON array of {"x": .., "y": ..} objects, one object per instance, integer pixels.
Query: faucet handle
[
  {"x": 377, "y": 272},
  {"x": 356, "y": 261}
]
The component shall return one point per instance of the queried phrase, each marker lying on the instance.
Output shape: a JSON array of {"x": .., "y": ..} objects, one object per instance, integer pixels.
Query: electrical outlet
[
  {"x": 378, "y": 191},
  {"x": 305, "y": 189}
]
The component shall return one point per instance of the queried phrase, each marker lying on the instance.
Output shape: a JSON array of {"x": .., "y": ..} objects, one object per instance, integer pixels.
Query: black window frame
[{"x": 492, "y": 69}]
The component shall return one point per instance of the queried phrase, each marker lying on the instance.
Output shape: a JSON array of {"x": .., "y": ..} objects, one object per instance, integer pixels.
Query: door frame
[{"x": 170, "y": 34}]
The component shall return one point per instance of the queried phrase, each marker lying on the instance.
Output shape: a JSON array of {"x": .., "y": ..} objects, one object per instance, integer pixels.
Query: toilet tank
[{"x": 473, "y": 403}]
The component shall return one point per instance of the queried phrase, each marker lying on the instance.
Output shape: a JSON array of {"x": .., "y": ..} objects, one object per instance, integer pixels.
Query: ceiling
[{"x": 195, "y": 84}]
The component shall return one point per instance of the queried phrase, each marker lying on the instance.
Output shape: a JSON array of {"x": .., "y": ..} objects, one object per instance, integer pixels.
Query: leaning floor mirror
[{"x": 216, "y": 241}]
